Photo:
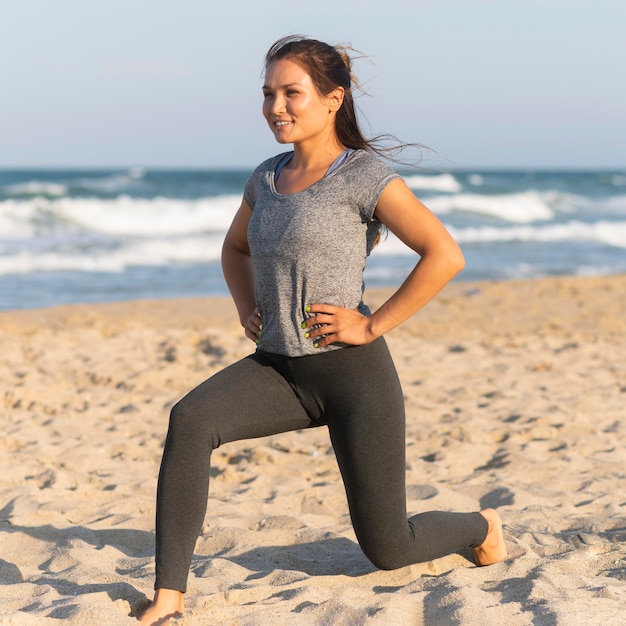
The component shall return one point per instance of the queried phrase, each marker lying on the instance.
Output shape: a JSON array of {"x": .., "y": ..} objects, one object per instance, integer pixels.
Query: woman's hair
[{"x": 330, "y": 67}]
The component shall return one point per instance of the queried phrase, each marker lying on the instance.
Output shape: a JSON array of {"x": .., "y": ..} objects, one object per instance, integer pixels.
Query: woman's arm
[
  {"x": 238, "y": 274},
  {"x": 440, "y": 260}
]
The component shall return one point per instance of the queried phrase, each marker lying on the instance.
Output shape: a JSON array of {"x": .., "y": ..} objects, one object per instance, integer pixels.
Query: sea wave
[
  {"x": 526, "y": 207},
  {"x": 440, "y": 182},
  {"x": 604, "y": 232},
  {"x": 109, "y": 183},
  {"x": 122, "y": 216},
  {"x": 609, "y": 233},
  {"x": 112, "y": 183},
  {"x": 106, "y": 257},
  {"x": 35, "y": 188}
]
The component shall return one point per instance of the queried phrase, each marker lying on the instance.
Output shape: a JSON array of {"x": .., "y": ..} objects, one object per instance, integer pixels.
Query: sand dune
[{"x": 516, "y": 398}]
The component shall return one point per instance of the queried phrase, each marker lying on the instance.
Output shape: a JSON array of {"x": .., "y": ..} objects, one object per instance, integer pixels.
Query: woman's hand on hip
[
  {"x": 336, "y": 325},
  {"x": 253, "y": 325}
]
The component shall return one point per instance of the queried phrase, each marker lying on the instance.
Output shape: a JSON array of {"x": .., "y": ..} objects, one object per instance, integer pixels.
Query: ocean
[{"x": 79, "y": 236}]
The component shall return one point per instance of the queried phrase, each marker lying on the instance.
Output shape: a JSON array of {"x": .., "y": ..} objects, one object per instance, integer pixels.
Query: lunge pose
[{"x": 293, "y": 260}]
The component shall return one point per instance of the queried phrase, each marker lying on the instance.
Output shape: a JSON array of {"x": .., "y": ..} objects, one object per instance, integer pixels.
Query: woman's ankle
[
  {"x": 493, "y": 548},
  {"x": 167, "y": 604}
]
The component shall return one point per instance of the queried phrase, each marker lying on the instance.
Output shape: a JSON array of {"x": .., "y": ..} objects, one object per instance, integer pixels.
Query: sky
[{"x": 177, "y": 83}]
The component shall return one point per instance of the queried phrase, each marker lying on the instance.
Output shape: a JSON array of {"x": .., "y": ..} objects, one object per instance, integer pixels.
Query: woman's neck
[
  {"x": 318, "y": 157},
  {"x": 306, "y": 168}
]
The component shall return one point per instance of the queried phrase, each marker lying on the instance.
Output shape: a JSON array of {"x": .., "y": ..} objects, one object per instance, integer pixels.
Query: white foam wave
[
  {"x": 608, "y": 233},
  {"x": 604, "y": 232},
  {"x": 16, "y": 219},
  {"x": 520, "y": 208},
  {"x": 157, "y": 216},
  {"x": 439, "y": 182},
  {"x": 153, "y": 252},
  {"x": 36, "y": 188},
  {"x": 122, "y": 216},
  {"x": 113, "y": 183}
]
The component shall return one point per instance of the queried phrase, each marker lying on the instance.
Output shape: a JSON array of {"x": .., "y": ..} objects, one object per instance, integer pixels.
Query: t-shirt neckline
[{"x": 334, "y": 166}]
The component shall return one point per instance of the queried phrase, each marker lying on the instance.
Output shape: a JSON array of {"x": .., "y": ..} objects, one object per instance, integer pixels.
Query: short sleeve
[
  {"x": 249, "y": 191},
  {"x": 367, "y": 181}
]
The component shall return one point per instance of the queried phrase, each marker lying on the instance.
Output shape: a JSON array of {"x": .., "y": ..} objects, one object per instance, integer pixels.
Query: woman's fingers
[
  {"x": 327, "y": 324},
  {"x": 254, "y": 325},
  {"x": 332, "y": 324}
]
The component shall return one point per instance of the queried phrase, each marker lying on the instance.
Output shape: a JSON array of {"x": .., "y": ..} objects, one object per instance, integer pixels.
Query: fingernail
[
  {"x": 306, "y": 335},
  {"x": 257, "y": 341},
  {"x": 307, "y": 309},
  {"x": 316, "y": 345},
  {"x": 303, "y": 325},
  {"x": 260, "y": 326}
]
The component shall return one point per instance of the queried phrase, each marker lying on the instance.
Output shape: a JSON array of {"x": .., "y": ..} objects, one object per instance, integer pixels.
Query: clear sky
[{"x": 177, "y": 83}]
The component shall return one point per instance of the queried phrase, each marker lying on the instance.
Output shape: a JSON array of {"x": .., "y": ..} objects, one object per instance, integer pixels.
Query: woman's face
[{"x": 292, "y": 106}]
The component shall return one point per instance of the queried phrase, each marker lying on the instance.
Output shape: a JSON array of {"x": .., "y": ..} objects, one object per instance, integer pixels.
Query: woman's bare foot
[
  {"x": 493, "y": 549},
  {"x": 167, "y": 603}
]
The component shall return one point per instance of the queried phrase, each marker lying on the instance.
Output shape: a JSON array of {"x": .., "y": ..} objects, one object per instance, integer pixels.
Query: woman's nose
[{"x": 278, "y": 105}]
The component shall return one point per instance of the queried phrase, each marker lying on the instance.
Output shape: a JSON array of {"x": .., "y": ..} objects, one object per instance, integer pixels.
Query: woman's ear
[{"x": 335, "y": 99}]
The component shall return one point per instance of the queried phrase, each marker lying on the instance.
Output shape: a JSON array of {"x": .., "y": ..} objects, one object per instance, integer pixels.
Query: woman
[{"x": 293, "y": 260}]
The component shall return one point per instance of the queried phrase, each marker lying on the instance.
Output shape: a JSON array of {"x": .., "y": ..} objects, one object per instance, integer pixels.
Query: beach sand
[{"x": 516, "y": 395}]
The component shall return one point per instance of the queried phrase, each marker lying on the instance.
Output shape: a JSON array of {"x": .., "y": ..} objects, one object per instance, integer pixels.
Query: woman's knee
[
  {"x": 384, "y": 553},
  {"x": 385, "y": 559},
  {"x": 189, "y": 424}
]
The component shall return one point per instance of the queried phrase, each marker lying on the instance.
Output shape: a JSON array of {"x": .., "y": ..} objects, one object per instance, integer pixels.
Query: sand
[{"x": 515, "y": 394}]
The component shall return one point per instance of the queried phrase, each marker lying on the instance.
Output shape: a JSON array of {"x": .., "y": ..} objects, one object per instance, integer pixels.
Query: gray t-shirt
[{"x": 310, "y": 247}]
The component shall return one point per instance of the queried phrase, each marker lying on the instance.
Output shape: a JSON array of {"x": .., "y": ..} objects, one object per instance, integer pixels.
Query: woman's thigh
[
  {"x": 245, "y": 400},
  {"x": 366, "y": 420}
]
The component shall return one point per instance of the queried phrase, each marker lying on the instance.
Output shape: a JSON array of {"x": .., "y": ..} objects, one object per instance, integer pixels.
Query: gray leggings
[{"x": 356, "y": 393}]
